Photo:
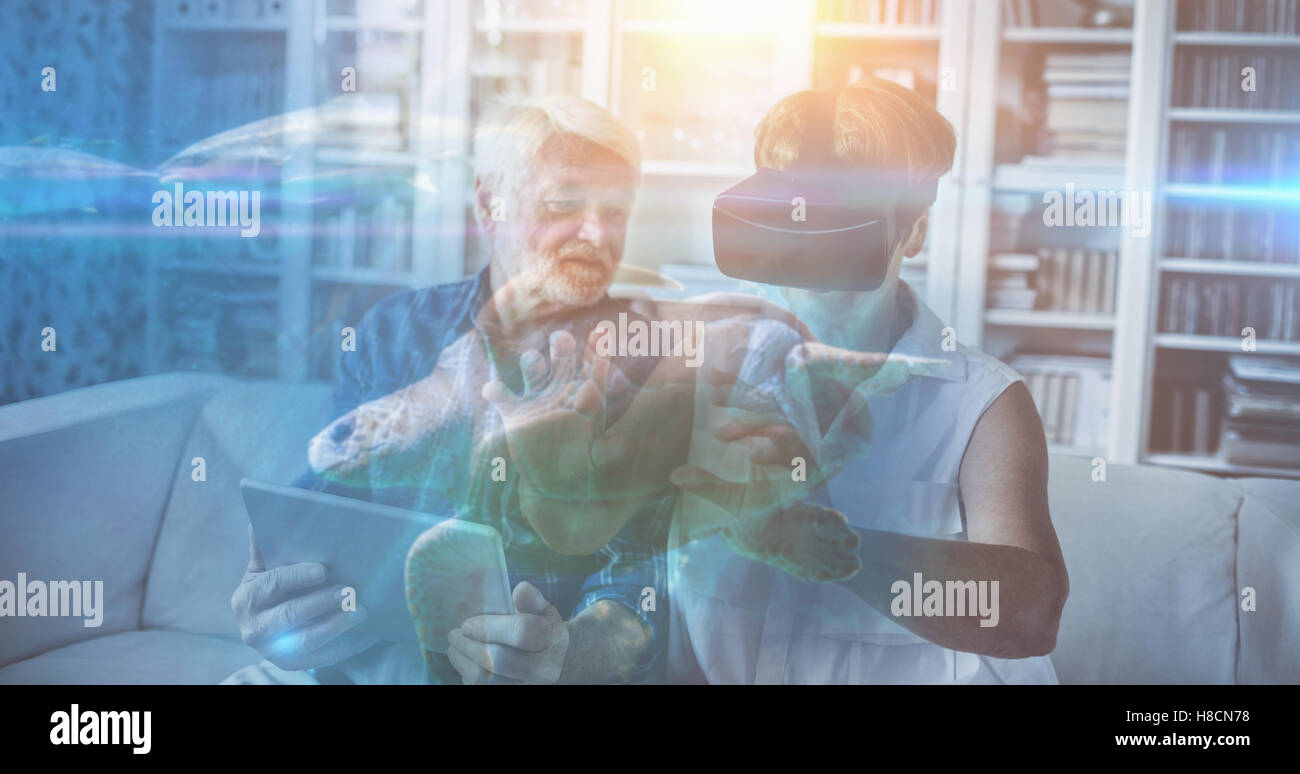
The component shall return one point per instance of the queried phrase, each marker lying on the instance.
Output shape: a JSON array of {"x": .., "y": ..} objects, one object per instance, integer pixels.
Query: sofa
[{"x": 97, "y": 484}]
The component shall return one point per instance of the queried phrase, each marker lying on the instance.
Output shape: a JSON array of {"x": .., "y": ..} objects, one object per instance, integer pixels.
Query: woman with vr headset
[{"x": 962, "y": 578}]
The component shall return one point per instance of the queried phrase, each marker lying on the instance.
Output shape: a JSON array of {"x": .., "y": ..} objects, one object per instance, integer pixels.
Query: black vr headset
[{"x": 822, "y": 227}]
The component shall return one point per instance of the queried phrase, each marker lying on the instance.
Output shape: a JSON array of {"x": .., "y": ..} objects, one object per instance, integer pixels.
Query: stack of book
[
  {"x": 1012, "y": 281},
  {"x": 1271, "y": 17},
  {"x": 1072, "y": 394},
  {"x": 888, "y": 12},
  {"x": 1056, "y": 279},
  {"x": 1087, "y": 111},
  {"x": 1184, "y": 417},
  {"x": 1206, "y": 78},
  {"x": 1224, "y": 307},
  {"x": 1261, "y": 407},
  {"x": 1260, "y": 156},
  {"x": 1213, "y": 231}
]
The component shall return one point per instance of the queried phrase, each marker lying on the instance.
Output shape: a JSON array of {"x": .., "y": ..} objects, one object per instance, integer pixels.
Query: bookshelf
[
  {"x": 1226, "y": 258},
  {"x": 1222, "y": 344},
  {"x": 1148, "y": 357},
  {"x": 1068, "y": 35},
  {"x": 219, "y": 303},
  {"x": 1052, "y": 115},
  {"x": 1049, "y": 319}
]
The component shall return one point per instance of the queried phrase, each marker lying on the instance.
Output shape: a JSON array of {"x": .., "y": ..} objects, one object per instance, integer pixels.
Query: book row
[
  {"x": 1273, "y": 17},
  {"x": 1055, "y": 279},
  {"x": 1256, "y": 156},
  {"x": 1224, "y": 307},
  {"x": 1211, "y": 79},
  {"x": 1217, "y": 232}
]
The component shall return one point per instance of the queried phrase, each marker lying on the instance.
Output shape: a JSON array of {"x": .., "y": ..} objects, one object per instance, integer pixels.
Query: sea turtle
[{"x": 444, "y": 431}]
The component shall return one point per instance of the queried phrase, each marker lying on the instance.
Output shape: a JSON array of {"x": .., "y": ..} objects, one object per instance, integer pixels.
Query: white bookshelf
[
  {"x": 1229, "y": 193},
  {"x": 1001, "y": 59},
  {"x": 1070, "y": 35},
  {"x": 1132, "y": 355},
  {"x": 1137, "y": 343},
  {"x": 1245, "y": 39},
  {"x": 1231, "y": 116},
  {"x": 1044, "y": 318},
  {"x": 1014, "y": 178},
  {"x": 1206, "y": 352},
  {"x": 1203, "y": 343},
  {"x": 1230, "y": 268}
]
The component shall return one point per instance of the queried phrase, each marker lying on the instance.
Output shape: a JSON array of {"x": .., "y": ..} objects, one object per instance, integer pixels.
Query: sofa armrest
[{"x": 84, "y": 476}]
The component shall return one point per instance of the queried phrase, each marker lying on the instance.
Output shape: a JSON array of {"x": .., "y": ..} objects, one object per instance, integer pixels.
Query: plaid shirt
[{"x": 398, "y": 342}]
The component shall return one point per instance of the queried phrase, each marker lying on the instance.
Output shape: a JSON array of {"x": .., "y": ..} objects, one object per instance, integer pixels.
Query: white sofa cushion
[
  {"x": 257, "y": 430},
  {"x": 1151, "y": 554},
  {"x": 140, "y": 657},
  {"x": 85, "y": 476},
  {"x": 1268, "y": 560}
]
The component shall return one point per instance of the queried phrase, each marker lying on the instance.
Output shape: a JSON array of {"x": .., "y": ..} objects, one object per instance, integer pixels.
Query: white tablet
[{"x": 460, "y": 566}]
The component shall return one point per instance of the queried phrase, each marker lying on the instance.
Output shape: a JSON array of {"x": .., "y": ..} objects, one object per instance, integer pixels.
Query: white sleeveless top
[{"x": 740, "y": 621}]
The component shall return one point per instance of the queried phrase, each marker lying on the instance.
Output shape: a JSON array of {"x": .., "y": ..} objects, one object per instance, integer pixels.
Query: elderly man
[{"x": 554, "y": 182}]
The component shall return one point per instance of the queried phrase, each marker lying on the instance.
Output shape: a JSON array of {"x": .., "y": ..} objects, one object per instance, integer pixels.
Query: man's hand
[
  {"x": 292, "y": 617},
  {"x": 528, "y": 647}
]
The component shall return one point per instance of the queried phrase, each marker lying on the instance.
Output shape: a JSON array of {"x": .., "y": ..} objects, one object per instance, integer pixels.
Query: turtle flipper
[
  {"x": 443, "y": 585},
  {"x": 807, "y": 541}
]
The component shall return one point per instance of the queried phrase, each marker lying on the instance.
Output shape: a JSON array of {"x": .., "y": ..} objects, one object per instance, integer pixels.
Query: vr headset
[
  {"x": 822, "y": 228},
  {"x": 807, "y": 230}
]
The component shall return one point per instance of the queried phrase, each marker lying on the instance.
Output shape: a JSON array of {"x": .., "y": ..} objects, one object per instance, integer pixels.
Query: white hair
[{"x": 508, "y": 142}]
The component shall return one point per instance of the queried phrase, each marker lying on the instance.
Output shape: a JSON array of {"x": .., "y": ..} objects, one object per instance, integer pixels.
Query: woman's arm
[{"x": 1003, "y": 482}]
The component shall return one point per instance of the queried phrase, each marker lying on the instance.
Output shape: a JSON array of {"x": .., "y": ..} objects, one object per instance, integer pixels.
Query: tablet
[{"x": 365, "y": 545}]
